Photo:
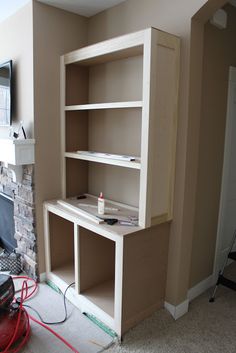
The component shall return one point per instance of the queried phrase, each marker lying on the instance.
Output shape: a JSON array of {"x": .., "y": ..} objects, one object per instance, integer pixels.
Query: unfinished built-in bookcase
[{"x": 118, "y": 97}]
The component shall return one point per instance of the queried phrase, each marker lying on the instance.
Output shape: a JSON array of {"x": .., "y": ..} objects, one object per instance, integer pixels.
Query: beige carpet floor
[
  {"x": 206, "y": 328},
  {"x": 78, "y": 330}
]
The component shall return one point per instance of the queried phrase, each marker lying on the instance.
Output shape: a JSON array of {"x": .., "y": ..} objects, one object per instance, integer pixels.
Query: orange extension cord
[{"x": 25, "y": 295}]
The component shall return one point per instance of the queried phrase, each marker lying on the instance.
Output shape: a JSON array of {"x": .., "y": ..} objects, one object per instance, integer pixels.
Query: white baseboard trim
[
  {"x": 179, "y": 310},
  {"x": 201, "y": 287},
  {"x": 194, "y": 292},
  {"x": 42, "y": 277}
]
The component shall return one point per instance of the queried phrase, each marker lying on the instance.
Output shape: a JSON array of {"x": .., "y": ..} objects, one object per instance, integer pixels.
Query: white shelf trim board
[
  {"x": 111, "y": 105},
  {"x": 113, "y": 233},
  {"x": 108, "y": 47},
  {"x": 90, "y": 158}
]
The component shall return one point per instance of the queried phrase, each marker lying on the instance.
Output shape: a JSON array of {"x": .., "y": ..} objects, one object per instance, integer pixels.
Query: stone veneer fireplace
[{"x": 24, "y": 215}]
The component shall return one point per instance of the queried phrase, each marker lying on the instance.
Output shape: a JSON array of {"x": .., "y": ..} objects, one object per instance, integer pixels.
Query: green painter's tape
[
  {"x": 53, "y": 286},
  {"x": 100, "y": 324},
  {"x": 91, "y": 317}
]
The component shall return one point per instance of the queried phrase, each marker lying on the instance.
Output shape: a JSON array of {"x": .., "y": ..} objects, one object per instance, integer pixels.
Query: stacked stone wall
[{"x": 23, "y": 195}]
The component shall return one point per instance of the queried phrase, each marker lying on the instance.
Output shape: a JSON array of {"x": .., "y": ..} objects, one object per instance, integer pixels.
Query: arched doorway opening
[{"x": 212, "y": 53}]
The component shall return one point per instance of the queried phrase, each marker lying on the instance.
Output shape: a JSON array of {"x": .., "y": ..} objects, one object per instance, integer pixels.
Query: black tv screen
[{"x": 6, "y": 93}]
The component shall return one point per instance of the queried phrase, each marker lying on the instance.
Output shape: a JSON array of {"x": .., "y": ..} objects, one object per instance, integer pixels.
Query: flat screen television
[{"x": 6, "y": 93}]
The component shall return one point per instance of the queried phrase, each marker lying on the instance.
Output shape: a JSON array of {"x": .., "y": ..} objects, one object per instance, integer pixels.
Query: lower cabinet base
[{"x": 120, "y": 280}]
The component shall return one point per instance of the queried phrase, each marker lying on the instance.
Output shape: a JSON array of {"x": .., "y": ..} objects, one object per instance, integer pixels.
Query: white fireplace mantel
[{"x": 16, "y": 153}]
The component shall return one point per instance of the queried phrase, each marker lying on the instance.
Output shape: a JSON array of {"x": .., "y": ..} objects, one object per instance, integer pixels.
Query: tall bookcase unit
[{"x": 118, "y": 97}]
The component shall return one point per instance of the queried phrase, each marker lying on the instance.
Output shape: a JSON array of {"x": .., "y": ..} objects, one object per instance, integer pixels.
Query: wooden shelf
[
  {"x": 112, "y": 105},
  {"x": 102, "y": 296},
  {"x": 91, "y": 158},
  {"x": 67, "y": 209},
  {"x": 112, "y": 49}
]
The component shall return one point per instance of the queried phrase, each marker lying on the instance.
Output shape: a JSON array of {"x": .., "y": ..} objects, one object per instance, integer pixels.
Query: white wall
[{"x": 16, "y": 43}]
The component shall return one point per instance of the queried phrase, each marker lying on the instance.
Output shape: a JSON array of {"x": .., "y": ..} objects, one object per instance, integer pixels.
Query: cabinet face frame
[{"x": 146, "y": 43}]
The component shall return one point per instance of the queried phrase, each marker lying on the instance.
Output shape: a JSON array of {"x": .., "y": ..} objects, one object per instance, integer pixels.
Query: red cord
[
  {"x": 35, "y": 286},
  {"x": 25, "y": 295},
  {"x": 55, "y": 334}
]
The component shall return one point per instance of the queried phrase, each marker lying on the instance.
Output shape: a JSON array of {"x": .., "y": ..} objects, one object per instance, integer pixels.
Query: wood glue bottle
[{"x": 101, "y": 204}]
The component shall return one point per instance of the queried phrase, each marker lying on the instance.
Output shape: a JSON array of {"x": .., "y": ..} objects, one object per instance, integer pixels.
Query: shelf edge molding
[
  {"x": 132, "y": 42},
  {"x": 91, "y": 158},
  {"x": 111, "y": 105}
]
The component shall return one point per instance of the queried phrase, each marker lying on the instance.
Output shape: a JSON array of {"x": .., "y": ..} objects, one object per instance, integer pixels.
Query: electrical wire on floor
[
  {"x": 65, "y": 308},
  {"x": 25, "y": 295}
]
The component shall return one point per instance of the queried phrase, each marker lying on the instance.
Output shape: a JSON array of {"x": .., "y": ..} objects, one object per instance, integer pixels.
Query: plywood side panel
[
  {"x": 144, "y": 275},
  {"x": 97, "y": 259},
  {"x": 119, "y": 80},
  {"x": 115, "y": 131},
  {"x": 61, "y": 241},
  {"x": 118, "y": 184}
]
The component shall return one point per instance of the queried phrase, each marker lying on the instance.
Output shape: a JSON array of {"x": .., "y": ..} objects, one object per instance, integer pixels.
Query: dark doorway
[{"x": 7, "y": 226}]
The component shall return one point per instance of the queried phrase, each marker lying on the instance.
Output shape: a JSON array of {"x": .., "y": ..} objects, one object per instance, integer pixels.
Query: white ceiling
[
  {"x": 9, "y": 7},
  {"x": 83, "y": 7},
  {"x": 86, "y": 8}
]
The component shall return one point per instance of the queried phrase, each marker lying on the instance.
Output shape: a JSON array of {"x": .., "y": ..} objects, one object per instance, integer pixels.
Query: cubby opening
[
  {"x": 62, "y": 248},
  {"x": 117, "y": 184},
  {"x": 115, "y": 81},
  {"x": 76, "y": 126},
  {"x": 115, "y": 131},
  {"x": 76, "y": 177},
  {"x": 97, "y": 269},
  {"x": 76, "y": 85}
]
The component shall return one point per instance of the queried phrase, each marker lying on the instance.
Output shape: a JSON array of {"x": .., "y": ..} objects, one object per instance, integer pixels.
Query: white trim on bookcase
[
  {"x": 145, "y": 192},
  {"x": 63, "y": 126},
  {"x": 105, "y": 50},
  {"x": 110, "y": 105}
]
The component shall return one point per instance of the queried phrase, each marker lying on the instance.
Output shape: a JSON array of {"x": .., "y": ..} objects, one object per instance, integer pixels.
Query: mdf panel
[
  {"x": 115, "y": 81},
  {"x": 144, "y": 273},
  {"x": 97, "y": 259},
  {"x": 163, "y": 131},
  {"x": 115, "y": 131},
  {"x": 116, "y": 183}
]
